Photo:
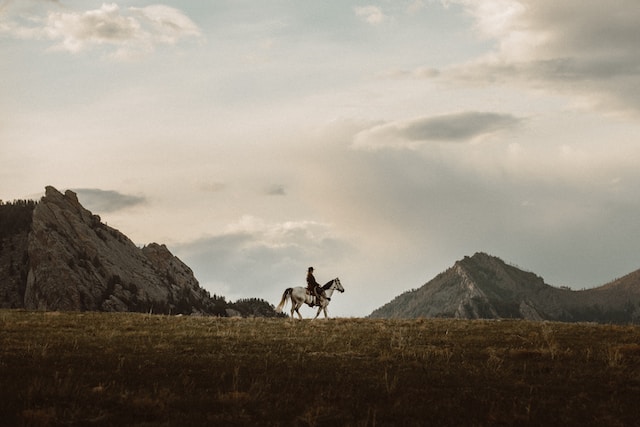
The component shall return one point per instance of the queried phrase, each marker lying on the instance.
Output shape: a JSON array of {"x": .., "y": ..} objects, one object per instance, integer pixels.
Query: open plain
[{"x": 149, "y": 370}]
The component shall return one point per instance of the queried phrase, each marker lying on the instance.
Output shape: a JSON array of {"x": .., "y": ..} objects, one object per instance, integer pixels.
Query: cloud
[
  {"x": 455, "y": 127},
  {"x": 128, "y": 32},
  {"x": 584, "y": 48},
  {"x": 280, "y": 234},
  {"x": 370, "y": 14},
  {"x": 259, "y": 258},
  {"x": 166, "y": 24},
  {"x": 276, "y": 190},
  {"x": 415, "y": 6},
  {"x": 103, "y": 201}
]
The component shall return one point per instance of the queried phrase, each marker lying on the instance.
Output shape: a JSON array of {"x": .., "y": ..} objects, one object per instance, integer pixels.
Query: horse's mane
[{"x": 328, "y": 284}]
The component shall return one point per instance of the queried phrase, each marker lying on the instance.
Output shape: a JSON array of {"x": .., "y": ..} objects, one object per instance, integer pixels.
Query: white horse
[{"x": 299, "y": 296}]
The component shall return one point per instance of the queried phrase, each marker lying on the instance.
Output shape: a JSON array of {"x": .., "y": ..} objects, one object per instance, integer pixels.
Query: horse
[{"x": 299, "y": 296}]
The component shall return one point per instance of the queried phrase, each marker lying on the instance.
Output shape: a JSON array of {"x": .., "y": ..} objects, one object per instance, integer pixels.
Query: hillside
[
  {"x": 57, "y": 255},
  {"x": 485, "y": 287}
]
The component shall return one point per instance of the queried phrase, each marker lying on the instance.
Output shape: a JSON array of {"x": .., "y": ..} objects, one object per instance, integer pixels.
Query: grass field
[{"x": 146, "y": 370}]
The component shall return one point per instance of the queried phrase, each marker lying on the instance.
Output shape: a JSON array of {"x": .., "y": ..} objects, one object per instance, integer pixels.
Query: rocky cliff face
[
  {"x": 72, "y": 261},
  {"x": 485, "y": 287}
]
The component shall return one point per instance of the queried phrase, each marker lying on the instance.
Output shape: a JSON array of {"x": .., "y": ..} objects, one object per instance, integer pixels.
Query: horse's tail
[{"x": 283, "y": 301}]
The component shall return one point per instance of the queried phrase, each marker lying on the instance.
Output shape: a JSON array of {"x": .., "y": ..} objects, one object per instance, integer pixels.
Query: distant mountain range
[
  {"x": 485, "y": 287},
  {"x": 57, "y": 255}
]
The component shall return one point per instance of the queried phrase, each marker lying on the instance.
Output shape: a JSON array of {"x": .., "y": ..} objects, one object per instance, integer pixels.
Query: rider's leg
[{"x": 310, "y": 301}]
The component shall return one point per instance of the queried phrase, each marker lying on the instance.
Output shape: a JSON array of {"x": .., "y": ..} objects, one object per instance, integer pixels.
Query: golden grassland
[{"x": 147, "y": 370}]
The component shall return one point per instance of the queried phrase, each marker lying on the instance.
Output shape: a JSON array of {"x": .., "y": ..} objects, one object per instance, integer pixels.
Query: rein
[{"x": 328, "y": 286}]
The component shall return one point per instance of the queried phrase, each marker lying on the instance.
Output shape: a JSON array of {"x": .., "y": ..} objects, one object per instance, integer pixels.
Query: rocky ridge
[
  {"x": 69, "y": 260},
  {"x": 485, "y": 287}
]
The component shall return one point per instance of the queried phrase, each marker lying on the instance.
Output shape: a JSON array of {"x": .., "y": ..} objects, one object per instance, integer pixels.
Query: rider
[{"x": 313, "y": 287}]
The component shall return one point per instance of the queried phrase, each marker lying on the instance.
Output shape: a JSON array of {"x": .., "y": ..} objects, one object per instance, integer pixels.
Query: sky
[{"x": 377, "y": 141}]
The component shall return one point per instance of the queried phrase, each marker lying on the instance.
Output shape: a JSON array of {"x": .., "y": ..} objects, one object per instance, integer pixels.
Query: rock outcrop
[
  {"x": 485, "y": 287},
  {"x": 72, "y": 261}
]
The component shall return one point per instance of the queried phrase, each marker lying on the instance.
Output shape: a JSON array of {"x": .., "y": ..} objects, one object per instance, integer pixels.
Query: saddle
[{"x": 314, "y": 296}]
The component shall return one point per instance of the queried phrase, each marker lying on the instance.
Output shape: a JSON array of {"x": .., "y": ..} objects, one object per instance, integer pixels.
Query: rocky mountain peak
[
  {"x": 484, "y": 286},
  {"x": 73, "y": 261}
]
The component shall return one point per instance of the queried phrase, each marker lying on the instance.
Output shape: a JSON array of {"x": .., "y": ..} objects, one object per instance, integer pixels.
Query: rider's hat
[{"x": 310, "y": 269}]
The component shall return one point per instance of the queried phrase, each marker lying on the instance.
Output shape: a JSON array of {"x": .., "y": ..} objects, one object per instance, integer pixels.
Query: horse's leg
[
  {"x": 318, "y": 313},
  {"x": 296, "y": 306}
]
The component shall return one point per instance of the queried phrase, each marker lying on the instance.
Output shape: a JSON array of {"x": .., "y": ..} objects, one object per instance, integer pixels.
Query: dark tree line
[
  {"x": 248, "y": 307},
  {"x": 15, "y": 217},
  {"x": 255, "y": 307}
]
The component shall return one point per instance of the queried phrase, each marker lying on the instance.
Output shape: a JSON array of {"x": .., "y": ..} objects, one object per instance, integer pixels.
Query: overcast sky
[{"x": 378, "y": 141}]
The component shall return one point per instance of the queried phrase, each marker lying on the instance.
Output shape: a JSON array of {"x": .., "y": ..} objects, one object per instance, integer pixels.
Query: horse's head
[{"x": 338, "y": 285}]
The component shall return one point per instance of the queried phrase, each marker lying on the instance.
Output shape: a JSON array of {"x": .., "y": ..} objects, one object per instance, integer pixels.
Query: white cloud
[
  {"x": 261, "y": 258},
  {"x": 370, "y": 14},
  {"x": 585, "y": 48},
  {"x": 128, "y": 32},
  {"x": 166, "y": 24},
  {"x": 100, "y": 26},
  {"x": 280, "y": 234}
]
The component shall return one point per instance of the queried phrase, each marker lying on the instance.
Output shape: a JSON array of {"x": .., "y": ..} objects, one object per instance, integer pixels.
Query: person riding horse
[{"x": 313, "y": 287}]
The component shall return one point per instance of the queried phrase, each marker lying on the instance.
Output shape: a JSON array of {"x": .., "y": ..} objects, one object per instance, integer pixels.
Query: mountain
[
  {"x": 57, "y": 255},
  {"x": 485, "y": 287}
]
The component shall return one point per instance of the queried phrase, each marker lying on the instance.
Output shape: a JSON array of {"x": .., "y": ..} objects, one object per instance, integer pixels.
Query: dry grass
[{"x": 136, "y": 369}]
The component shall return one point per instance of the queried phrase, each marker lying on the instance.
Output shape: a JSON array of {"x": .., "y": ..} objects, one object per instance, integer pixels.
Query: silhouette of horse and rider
[{"x": 314, "y": 295}]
